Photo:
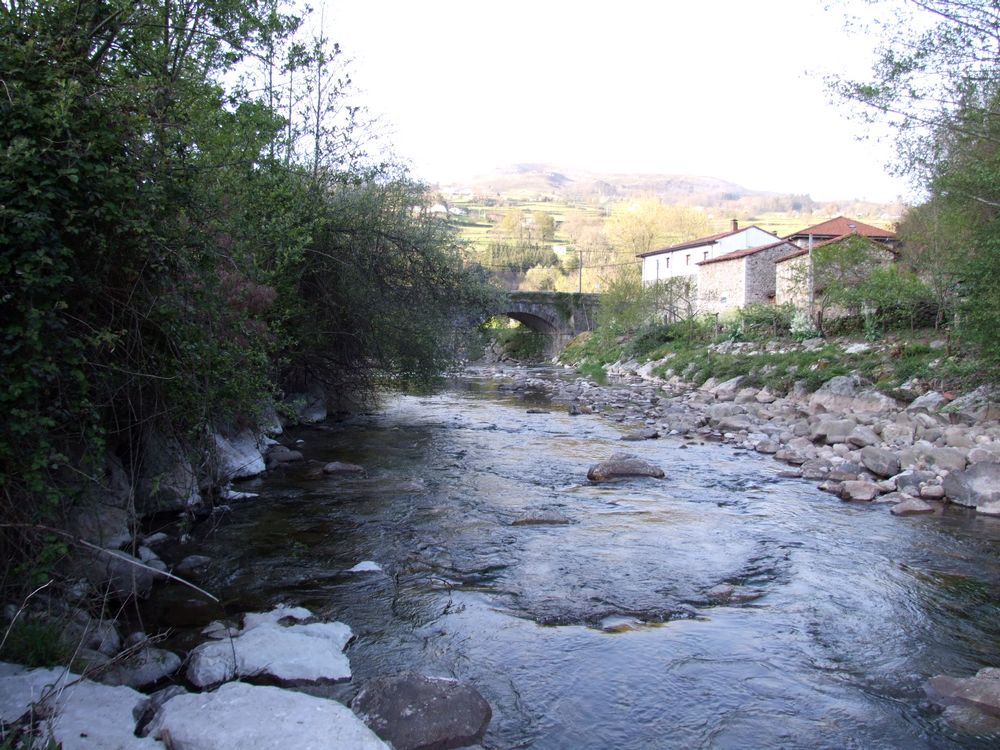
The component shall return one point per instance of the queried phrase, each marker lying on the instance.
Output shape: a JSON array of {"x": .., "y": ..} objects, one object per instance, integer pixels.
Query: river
[{"x": 721, "y": 607}]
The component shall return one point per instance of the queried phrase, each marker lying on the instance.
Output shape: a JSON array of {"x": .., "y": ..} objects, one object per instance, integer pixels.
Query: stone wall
[
  {"x": 721, "y": 286},
  {"x": 791, "y": 282}
]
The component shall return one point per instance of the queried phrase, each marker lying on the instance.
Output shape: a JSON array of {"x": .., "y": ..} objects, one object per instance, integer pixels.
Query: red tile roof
[
  {"x": 710, "y": 240},
  {"x": 803, "y": 250},
  {"x": 742, "y": 253},
  {"x": 840, "y": 226}
]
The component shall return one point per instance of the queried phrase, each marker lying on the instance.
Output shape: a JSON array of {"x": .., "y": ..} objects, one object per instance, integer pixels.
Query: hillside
[{"x": 545, "y": 182}]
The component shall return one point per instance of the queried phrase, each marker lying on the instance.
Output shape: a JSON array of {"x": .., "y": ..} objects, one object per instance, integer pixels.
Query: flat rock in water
[
  {"x": 646, "y": 434},
  {"x": 541, "y": 518},
  {"x": 294, "y": 654},
  {"x": 251, "y": 717},
  {"x": 622, "y": 465},
  {"x": 414, "y": 712},
  {"x": 85, "y": 715},
  {"x": 911, "y": 507},
  {"x": 977, "y": 485},
  {"x": 337, "y": 468},
  {"x": 981, "y": 692}
]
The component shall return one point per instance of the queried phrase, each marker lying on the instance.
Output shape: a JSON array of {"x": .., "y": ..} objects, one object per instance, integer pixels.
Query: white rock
[
  {"x": 281, "y": 612},
  {"x": 230, "y": 494},
  {"x": 366, "y": 566},
  {"x": 84, "y": 715},
  {"x": 248, "y": 717},
  {"x": 299, "y": 653},
  {"x": 238, "y": 456}
]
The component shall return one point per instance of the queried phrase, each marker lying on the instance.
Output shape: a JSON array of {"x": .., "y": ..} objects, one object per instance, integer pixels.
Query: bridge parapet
[{"x": 559, "y": 315}]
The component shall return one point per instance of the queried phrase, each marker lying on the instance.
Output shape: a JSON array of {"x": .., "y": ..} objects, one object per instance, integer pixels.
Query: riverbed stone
[
  {"x": 237, "y": 456},
  {"x": 932, "y": 401},
  {"x": 541, "y": 518},
  {"x": 859, "y": 490},
  {"x": 340, "y": 468},
  {"x": 845, "y": 394},
  {"x": 897, "y": 434},
  {"x": 80, "y": 714},
  {"x": 295, "y": 654},
  {"x": 947, "y": 459},
  {"x": 832, "y": 431},
  {"x": 415, "y": 712},
  {"x": 646, "y": 433},
  {"x": 911, "y": 507},
  {"x": 863, "y": 435},
  {"x": 815, "y": 469},
  {"x": 975, "y": 407},
  {"x": 251, "y": 717},
  {"x": 981, "y": 692},
  {"x": 118, "y": 573},
  {"x": 878, "y": 461},
  {"x": 142, "y": 669},
  {"x": 977, "y": 485},
  {"x": 623, "y": 465}
]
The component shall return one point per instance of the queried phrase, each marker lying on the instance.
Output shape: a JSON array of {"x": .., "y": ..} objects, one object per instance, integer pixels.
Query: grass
[
  {"x": 35, "y": 643},
  {"x": 889, "y": 365}
]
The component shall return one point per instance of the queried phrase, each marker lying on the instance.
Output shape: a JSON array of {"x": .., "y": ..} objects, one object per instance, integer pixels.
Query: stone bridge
[{"x": 558, "y": 315}]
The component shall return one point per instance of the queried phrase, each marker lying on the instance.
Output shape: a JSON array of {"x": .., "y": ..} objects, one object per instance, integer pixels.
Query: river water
[{"x": 720, "y": 607}]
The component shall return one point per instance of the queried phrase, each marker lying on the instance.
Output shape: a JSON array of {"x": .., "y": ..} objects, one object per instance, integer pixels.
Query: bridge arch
[{"x": 557, "y": 315}]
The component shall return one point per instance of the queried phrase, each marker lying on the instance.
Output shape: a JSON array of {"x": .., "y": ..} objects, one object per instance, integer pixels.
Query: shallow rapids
[{"x": 720, "y": 607}]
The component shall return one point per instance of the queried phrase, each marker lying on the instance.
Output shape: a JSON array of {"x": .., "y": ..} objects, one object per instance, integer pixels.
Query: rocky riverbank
[{"x": 855, "y": 441}]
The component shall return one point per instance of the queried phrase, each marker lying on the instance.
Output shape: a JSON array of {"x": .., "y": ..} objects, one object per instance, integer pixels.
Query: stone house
[
  {"x": 739, "y": 278},
  {"x": 792, "y": 271},
  {"x": 682, "y": 259}
]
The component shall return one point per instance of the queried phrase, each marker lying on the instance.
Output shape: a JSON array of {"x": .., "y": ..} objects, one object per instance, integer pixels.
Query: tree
[
  {"x": 642, "y": 225},
  {"x": 937, "y": 83}
]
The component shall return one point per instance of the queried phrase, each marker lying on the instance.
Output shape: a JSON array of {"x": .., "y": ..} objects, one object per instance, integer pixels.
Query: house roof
[
  {"x": 804, "y": 250},
  {"x": 710, "y": 240},
  {"x": 840, "y": 226},
  {"x": 742, "y": 253}
]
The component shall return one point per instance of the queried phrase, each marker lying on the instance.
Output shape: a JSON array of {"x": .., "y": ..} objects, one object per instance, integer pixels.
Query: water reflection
[{"x": 721, "y": 607}]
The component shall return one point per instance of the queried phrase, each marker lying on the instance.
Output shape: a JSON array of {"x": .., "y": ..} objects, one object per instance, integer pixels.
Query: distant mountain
[{"x": 543, "y": 180}]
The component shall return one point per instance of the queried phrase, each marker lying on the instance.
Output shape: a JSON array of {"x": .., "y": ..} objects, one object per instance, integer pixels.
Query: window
[
  {"x": 705, "y": 255},
  {"x": 687, "y": 260},
  {"x": 666, "y": 262}
]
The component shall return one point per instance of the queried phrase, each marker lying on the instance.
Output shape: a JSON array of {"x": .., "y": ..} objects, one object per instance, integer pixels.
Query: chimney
[{"x": 736, "y": 225}]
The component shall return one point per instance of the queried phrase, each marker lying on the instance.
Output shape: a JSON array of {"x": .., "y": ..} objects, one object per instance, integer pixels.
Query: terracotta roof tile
[
  {"x": 742, "y": 253},
  {"x": 840, "y": 226}
]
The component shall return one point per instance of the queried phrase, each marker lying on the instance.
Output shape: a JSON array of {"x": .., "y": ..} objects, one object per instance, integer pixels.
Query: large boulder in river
[
  {"x": 879, "y": 461},
  {"x": 414, "y": 712},
  {"x": 237, "y": 456},
  {"x": 621, "y": 466},
  {"x": 975, "y": 486},
  {"x": 259, "y": 718}
]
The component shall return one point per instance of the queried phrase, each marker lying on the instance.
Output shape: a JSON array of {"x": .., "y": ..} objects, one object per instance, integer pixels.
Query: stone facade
[
  {"x": 743, "y": 278},
  {"x": 791, "y": 281}
]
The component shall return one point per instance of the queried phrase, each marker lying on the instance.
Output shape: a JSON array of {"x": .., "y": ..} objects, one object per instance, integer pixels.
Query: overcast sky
[{"x": 723, "y": 88}]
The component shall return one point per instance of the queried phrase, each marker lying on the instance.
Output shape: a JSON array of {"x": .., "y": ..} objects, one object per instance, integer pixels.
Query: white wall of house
[{"x": 683, "y": 262}]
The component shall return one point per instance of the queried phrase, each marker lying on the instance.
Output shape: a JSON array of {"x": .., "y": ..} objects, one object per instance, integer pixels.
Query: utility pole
[{"x": 579, "y": 253}]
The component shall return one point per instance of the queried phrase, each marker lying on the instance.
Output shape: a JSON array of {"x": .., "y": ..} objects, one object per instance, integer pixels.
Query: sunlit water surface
[{"x": 720, "y": 607}]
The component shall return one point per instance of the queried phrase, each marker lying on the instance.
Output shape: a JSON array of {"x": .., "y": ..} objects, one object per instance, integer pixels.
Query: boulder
[
  {"x": 846, "y": 394},
  {"x": 911, "y": 507},
  {"x": 981, "y": 692},
  {"x": 897, "y": 433},
  {"x": 193, "y": 566},
  {"x": 414, "y": 712},
  {"x": 950, "y": 459},
  {"x": 858, "y": 490},
  {"x": 280, "y": 454},
  {"x": 295, "y": 654},
  {"x": 862, "y": 435},
  {"x": 978, "y": 485},
  {"x": 166, "y": 480},
  {"x": 832, "y": 431},
  {"x": 119, "y": 574},
  {"x": 80, "y": 714},
  {"x": 931, "y": 402},
  {"x": 735, "y": 423},
  {"x": 882, "y": 463},
  {"x": 727, "y": 390},
  {"x": 647, "y": 433},
  {"x": 237, "y": 456},
  {"x": 250, "y": 717},
  {"x": 140, "y": 670},
  {"x": 622, "y": 465},
  {"x": 975, "y": 407}
]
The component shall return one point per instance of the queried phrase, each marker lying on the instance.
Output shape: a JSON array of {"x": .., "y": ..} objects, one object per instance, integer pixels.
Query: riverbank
[{"x": 856, "y": 441}]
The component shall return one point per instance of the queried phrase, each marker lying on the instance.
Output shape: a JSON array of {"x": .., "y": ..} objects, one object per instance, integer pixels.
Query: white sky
[{"x": 723, "y": 88}]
